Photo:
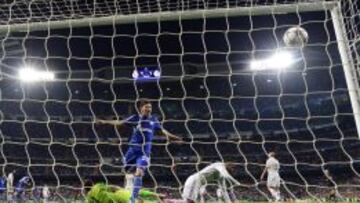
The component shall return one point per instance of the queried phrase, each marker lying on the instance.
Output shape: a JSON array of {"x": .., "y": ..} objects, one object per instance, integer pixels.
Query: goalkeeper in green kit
[{"x": 102, "y": 193}]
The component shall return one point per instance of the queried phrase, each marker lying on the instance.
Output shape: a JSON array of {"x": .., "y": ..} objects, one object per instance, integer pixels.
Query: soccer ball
[{"x": 296, "y": 37}]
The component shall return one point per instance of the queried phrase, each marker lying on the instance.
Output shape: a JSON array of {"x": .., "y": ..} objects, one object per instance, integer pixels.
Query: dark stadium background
[{"x": 207, "y": 95}]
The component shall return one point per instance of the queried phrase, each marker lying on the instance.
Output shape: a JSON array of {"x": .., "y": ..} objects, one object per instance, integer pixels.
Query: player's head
[
  {"x": 87, "y": 185},
  {"x": 271, "y": 154},
  {"x": 145, "y": 107},
  {"x": 327, "y": 173},
  {"x": 230, "y": 166}
]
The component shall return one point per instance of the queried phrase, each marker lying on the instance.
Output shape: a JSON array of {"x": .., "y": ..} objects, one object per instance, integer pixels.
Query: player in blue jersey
[
  {"x": 21, "y": 186},
  {"x": 145, "y": 126},
  {"x": 2, "y": 187}
]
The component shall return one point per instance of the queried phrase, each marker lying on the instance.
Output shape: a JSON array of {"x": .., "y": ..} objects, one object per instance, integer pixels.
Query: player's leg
[
  {"x": 202, "y": 198},
  {"x": 202, "y": 193},
  {"x": 129, "y": 181},
  {"x": 137, "y": 184},
  {"x": 277, "y": 188},
  {"x": 272, "y": 192},
  {"x": 15, "y": 195},
  {"x": 278, "y": 196},
  {"x": 275, "y": 193},
  {"x": 273, "y": 185},
  {"x": 23, "y": 195},
  {"x": 141, "y": 164},
  {"x": 191, "y": 189},
  {"x": 129, "y": 162},
  {"x": 9, "y": 192},
  {"x": 219, "y": 194}
]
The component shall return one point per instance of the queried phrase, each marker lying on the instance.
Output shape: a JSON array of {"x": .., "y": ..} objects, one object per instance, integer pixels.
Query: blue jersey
[
  {"x": 144, "y": 128},
  {"x": 37, "y": 193},
  {"x": 2, "y": 184},
  {"x": 23, "y": 182}
]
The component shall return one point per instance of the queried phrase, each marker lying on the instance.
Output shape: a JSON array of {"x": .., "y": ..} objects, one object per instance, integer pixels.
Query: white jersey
[
  {"x": 46, "y": 192},
  {"x": 10, "y": 181},
  {"x": 215, "y": 172},
  {"x": 272, "y": 165},
  {"x": 9, "y": 187}
]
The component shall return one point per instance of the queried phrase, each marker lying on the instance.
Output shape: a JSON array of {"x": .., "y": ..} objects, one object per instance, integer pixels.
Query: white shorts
[
  {"x": 9, "y": 189},
  {"x": 273, "y": 180},
  {"x": 192, "y": 188}
]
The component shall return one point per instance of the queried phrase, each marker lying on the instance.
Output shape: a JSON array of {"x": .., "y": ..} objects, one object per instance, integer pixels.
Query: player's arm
[
  {"x": 119, "y": 123},
  {"x": 163, "y": 132},
  {"x": 263, "y": 173},
  {"x": 225, "y": 174},
  {"x": 111, "y": 122},
  {"x": 232, "y": 179},
  {"x": 148, "y": 195},
  {"x": 169, "y": 135},
  {"x": 224, "y": 190}
]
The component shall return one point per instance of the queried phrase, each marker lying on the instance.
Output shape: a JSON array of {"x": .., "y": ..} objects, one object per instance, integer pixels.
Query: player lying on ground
[
  {"x": 101, "y": 193},
  {"x": 138, "y": 154},
  {"x": 273, "y": 178},
  {"x": 214, "y": 173}
]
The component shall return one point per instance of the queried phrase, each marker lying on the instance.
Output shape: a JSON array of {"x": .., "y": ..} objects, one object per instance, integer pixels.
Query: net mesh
[{"x": 207, "y": 94}]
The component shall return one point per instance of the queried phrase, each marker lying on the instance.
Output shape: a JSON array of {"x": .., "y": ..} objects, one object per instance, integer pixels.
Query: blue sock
[{"x": 136, "y": 188}]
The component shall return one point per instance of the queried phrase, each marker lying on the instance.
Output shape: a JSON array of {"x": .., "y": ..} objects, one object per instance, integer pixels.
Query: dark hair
[
  {"x": 272, "y": 153},
  {"x": 142, "y": 103},
  {"x": 87, "y": 185}
]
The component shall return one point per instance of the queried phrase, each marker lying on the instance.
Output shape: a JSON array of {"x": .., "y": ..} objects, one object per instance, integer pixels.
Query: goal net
[{"x": 65, "y": 64}]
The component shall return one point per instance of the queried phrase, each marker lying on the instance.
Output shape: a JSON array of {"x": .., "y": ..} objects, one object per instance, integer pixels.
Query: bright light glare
[
  {"x": 135, "y": 74},
  {"x": 279, "y": 61},
  {"x": 157, "y": 73},
  {"x": 32, "y": 75}
]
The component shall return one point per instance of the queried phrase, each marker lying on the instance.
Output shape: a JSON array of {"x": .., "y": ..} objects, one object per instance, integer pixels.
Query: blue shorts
[
  {"x": 19, "y": 189},
  {"x": 135, "y": 158}
]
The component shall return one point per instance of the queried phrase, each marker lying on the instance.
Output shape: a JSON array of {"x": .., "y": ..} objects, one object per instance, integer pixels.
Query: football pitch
[{"x": 237, "y": 201}]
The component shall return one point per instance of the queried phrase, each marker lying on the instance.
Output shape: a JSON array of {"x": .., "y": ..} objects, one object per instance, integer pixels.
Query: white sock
[
  {"x": 278, "y": 197},
  {"x": 129, "y": 181}
]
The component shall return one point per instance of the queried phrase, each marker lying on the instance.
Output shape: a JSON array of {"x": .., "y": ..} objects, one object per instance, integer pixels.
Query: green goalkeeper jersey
[
  {"x": 101, "y": 193},
  {"x": 123, "y": 195}
]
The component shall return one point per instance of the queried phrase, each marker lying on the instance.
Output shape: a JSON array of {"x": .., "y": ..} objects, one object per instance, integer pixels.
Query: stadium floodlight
[
  {"x": 157, "y": 73},
  {"x": 135, "y": 74},
  {"x": 29, "y": 74},
  {"x": 146, "y": 73},
  {"x": 278, "y": 61}
]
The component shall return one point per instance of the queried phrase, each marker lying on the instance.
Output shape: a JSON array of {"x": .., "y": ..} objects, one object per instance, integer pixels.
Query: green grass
[
  {"x": 239, "y": 201},
  {"x": 298, "y": 201}
]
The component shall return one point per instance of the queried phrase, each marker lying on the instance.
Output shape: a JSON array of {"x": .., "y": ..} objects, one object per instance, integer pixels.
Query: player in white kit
[
  {"x": 10, "y": 186},
  {"x": 273, "y": 178},
  {"x": 202, "y": 193},
  {"x": 45, "y": 193},
  {"x": 214, "y": 173}
]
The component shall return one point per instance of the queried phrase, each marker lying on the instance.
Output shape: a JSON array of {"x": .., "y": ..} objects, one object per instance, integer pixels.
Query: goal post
[{"x": 347, "y": 62}]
